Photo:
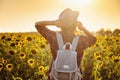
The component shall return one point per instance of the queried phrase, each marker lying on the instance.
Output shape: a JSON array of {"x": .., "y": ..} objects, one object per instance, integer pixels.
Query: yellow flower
[
  {"x": 12, "y": 44},
  {"x": 1, "y": 66},
  {"x": 117, "y": 59},
  {"x": 13, "y": 37},
  {"x": 42, "y": 46},
  {"x": 4, "y": 61},
  {"x": 9, "y": 67},
  {"x": 100, "y": 64},
  {"x": 41, "y": 70},
  {"x": 29, "y": 38},
  {"x": 106, "y": 48},
  {"x": 46, "y": 69},
  {"x": 22, "y": 56},
  {"x": 31, "y": 62},
  {"x": 18, "y": 78},
  {"x": 41, "y": 39},
  {"x": 96, "y": 54},
  {"x": 33, "y": 51},
  {"x": 19, "y": 44},
  {"x": 11, "y": 52}
]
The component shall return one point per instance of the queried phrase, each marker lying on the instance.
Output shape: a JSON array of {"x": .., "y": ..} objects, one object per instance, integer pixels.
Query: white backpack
[{"x": 65, "y": 65}]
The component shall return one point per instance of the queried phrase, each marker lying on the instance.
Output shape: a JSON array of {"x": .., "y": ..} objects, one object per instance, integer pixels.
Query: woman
[{"x": 67, "y": 22}]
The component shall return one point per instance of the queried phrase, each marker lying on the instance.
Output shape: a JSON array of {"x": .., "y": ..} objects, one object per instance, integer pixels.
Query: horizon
[{"x": 56, "y": 31}]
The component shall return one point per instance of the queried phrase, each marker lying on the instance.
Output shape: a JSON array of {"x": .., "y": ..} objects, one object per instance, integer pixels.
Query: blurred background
[{"x": 21, "y": 15}]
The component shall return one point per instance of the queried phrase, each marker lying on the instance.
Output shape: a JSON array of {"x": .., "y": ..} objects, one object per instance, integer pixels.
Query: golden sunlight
[
  {"x": 53, "y": 28},
  {"x": 77, "y": 3}
]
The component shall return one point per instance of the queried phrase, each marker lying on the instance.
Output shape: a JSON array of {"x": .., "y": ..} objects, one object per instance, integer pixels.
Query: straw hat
[{"x": 69, "y": 16}]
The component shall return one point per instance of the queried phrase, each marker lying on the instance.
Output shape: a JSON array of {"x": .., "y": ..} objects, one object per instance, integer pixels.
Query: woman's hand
[{"x": 80, "y": 26}]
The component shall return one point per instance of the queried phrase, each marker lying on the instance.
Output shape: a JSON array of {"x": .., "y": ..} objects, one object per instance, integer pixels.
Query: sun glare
[
  {"x": 53, "y": 28},
  {"x": 76, "y": 3}
]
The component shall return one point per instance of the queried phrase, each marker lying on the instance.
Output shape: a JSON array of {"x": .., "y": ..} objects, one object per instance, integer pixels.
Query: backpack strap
[
  {"x": 74, "y": 43},
  {"x": 60, "y": 40},
  {"x": 61, "y": 44}
]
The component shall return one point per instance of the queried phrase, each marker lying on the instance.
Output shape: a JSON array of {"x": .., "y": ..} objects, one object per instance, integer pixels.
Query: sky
[{"x": 21, "y": 15}]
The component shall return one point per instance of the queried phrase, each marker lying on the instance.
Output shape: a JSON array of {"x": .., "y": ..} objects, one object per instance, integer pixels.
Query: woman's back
[{"x": 68, "y": 23}]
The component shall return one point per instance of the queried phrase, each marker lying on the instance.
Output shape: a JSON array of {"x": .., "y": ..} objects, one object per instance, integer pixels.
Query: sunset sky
[{"x": 21, "y": 15}]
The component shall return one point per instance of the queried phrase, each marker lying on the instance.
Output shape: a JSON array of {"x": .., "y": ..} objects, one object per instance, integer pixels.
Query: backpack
[{"x": 65, "y": 66}]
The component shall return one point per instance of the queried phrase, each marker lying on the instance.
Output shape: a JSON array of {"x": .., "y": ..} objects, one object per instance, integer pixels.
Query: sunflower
[
  {"x": 41, "y": 39},
  {"x": 9, "y": 67},
  {"x": 11, "y": 52},
  {"x": 19, "y": 44},
  {"x": 22, "y": 56},
  {"x": 41, "y": 70},
  {"x": 3, "y": 37},
  {"x": 100, "y": 64},
  {"x": 96, "y": 54},
  {"x": 29, "y": 38},
  {"x": 116, "y": 59},
  {"x": 8, "y": 39},
  {"x": 13, "y": 37},
  {"x": 46, "y": 69},
  {"x": 106, "y": 48},
  {"x": 18, "y": 78},
  {"x": 33, "y": 51},
  {"x": 31, "y": 62},
  {"x": 4, "y": 61},
  {"x": 12, "y": 44},
  {"x": 1, "y": 66},
  {"x": 42, "y": 46}
]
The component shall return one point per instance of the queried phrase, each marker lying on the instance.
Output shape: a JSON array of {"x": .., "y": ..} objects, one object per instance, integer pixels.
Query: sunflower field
[
  {"x": 23, "y": 56},
  {"x": 102, "y": 60},
  {"x": 26, "y": 56}
]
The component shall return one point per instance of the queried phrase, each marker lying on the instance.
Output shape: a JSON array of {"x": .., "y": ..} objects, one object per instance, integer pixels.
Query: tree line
[{"x": 103, "y": 32}]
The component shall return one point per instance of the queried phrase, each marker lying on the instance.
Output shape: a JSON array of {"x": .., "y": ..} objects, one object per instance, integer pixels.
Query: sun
[
  {"x": 77, "y": 3},
  {"x": 85, "y": 2}
]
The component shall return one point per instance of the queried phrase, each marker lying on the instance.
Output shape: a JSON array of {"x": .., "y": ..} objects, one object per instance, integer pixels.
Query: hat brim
[{"x": 68, "y": 16}]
